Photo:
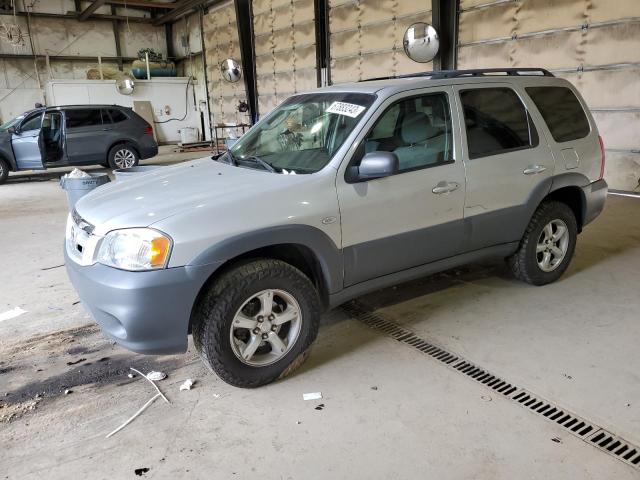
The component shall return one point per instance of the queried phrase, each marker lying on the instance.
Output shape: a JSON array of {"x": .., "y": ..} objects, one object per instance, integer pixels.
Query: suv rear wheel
[
  {"x": 123, "y": 156},
  {"x": 257, "y": 322},
  {"x": 4, "y": 171},
  {"x": 547, "y": 246}
]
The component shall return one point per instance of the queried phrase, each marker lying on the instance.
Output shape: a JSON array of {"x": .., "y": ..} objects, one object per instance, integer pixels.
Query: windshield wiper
[{"x": 259, "y": 161}]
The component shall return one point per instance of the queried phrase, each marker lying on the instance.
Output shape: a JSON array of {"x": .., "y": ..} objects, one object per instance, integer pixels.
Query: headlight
[{"x": 135, "y": 249}]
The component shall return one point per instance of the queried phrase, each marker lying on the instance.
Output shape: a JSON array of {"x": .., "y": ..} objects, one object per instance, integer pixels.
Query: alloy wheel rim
[
  {"x": 265, "y": 328},
  {"x": 124, "y": 158},
  {"x": 552, "y": 245}
]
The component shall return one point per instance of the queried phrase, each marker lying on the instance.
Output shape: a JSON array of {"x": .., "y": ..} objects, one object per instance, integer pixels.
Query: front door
[
  {"x": 414, "y": 217},
  {"x": 26, "y": 143}
]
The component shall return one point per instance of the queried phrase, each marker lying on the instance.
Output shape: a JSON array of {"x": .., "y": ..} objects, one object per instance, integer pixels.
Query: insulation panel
[
  {"x": 285, "y": 45},
  {"x": 366, "y": 38},
  {"x": 221, "y": 42}
]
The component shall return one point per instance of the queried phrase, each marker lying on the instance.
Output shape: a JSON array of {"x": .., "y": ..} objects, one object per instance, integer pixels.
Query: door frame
[{"x": 39, "y": 144}]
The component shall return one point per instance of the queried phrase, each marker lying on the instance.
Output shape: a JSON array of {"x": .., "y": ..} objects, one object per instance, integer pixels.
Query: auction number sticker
[{"x": 349, "y": 109}]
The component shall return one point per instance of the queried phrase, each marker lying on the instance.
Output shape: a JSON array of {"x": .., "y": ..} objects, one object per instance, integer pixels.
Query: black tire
[
  {"x": 215, "y": 312},
  {"x": 4, "y": 171},
  {"x": 119, "y": 148},
  {"x": 524, "y": 263}
]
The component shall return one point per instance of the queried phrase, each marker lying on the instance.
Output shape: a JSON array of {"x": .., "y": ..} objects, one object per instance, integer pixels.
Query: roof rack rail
[
  {"x": 480, "y": 72},
  {"x": 476, "y": 72}
]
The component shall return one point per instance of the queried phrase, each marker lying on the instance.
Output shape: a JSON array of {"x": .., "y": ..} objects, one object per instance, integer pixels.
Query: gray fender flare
[
  {"x": 328, "y": 255},
  {"x": 550, "y": 185}
]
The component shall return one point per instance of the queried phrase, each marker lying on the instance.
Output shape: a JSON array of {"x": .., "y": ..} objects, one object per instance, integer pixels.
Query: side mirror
[
  {"x": 12, "y": 130},
  {"x": 376, "y": 165}
]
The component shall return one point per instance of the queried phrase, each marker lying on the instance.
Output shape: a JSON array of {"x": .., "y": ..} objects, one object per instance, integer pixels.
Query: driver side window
[
  {"x": 417, "y": 129},
  {"x": 32, "y": 123}
]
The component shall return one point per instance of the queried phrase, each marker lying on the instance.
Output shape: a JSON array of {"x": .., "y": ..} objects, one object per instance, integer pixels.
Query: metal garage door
[
  {"x": 365, "y": 37},
  {"x": 285, "y": 47},
  {"x": 592, "y": 43},
  {"x": 221, "y": 42}
]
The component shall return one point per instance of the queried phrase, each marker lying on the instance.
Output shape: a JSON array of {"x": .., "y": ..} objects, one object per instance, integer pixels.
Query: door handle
[
  {"x": 533, "y": 169},
  {"x": 445, "y": 187}
]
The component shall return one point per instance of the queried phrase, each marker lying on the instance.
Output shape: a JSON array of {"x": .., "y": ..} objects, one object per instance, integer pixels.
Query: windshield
[
  {"x": 11, "y": 123},
  {"x": 302, "y": 134}
]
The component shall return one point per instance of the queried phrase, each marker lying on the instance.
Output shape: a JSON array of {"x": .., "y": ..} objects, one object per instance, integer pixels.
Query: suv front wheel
[
  {"x": 257, "y": 322},
  {"x": 548, "y": 244}
]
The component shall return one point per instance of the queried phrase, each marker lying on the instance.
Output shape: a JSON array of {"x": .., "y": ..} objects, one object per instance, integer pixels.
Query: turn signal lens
[
  {"x": 160, "y": 247},
  {"x": 135, "y": 249}
]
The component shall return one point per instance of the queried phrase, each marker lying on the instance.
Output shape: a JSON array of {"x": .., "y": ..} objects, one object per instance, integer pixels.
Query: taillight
[
  {"x": 602, "y": 158},
  {"x": 148, "y": 130}
]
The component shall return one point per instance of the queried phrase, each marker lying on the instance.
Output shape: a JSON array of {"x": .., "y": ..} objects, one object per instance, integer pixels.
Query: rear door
[
  {"x": 27, "y": 142},
  {"x": 87, "y": 138},
  {"x": 508, "y": 163}
]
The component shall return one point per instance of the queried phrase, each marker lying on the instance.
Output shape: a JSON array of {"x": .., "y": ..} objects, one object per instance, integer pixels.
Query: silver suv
[{"x": 336, "y": 193}]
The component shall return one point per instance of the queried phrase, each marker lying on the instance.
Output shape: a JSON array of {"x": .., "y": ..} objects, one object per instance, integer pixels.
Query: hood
[{"x": 167, "y": 191}]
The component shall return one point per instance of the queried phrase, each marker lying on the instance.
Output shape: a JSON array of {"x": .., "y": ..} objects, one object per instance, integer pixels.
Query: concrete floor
[{"x": 574, "y": 342}]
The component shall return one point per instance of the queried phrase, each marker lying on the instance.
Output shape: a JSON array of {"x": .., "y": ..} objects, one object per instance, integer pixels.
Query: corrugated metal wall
[
  {"x": 366, "y": 37},
  {"x": 285, "y": 46},
  {"x": 593, "y": 43},
  {"x": 221, "y": 42}
]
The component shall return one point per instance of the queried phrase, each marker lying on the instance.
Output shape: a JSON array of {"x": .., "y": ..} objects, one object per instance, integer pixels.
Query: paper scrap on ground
[
  {"x": 188, "y": 383},
  {"x": 312, "y": 396},
  {"x": 16, "y": 312},
  {"x": 156, "y": 376}
]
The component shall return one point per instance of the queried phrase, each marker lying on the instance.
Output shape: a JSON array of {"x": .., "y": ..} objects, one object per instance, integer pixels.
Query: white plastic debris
[
  {"x": 156, "y": 376},
  {"x": 16, "y": 312},
  {"x": 131, "y": 375},
  {"x": 312, "y": 396},
  {"x": 188, "y": 383},
  {"x": 77, "y": 173}
]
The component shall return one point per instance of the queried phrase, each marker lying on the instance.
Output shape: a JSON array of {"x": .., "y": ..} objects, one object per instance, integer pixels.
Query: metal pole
[
  {"x": 146, "y": 59},
  {"x": 100, "y": 67}
]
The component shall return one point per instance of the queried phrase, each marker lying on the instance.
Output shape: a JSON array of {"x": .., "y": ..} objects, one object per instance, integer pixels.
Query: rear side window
[
  {"x": 562, "y": 111},
  {"x": 496, "y": 121},
  {"x": 83, "y": 117},
  {"x": 117, "y": 116}
]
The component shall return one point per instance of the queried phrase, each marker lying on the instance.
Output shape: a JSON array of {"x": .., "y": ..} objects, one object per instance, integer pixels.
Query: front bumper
[
  {"x": 595, "y": 195},
  {"x": 146, "y": 312}
]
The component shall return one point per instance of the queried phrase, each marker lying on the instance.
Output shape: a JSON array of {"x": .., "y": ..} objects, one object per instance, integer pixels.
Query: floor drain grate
[{"x": 572, "y": 423}]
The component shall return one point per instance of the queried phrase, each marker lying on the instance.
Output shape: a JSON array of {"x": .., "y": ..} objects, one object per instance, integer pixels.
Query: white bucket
[{"x": 188, "y": 135}]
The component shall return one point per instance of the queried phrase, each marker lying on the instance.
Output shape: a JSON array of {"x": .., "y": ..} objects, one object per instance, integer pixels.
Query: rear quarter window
[
  {"x": 117, "y": 116},
  {"x": 561, "y": 111}
]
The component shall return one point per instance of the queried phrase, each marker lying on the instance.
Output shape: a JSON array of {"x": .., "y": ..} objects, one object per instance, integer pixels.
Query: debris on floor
[
  {"x": 141, "y": 471},
  {"x": 130, "y": 375},
  {"x": 68, "y": 391},
  {"x": 156, "y": 376},
  {"x": 556, "y": 439},
  {"x": 13, "y": 313},
  {"x": 320, "y": 407},
  {"x": 75, "y": 362},
  {"x": 146, "y": 405},
  {"x": 312, "y": 396},
  {"x": 374, "y": 388},
  {"x": 188, "y": 383}
]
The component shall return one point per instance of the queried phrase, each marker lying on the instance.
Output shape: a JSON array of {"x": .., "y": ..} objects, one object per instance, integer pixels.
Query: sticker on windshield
[{"x": 349, "y": 109}]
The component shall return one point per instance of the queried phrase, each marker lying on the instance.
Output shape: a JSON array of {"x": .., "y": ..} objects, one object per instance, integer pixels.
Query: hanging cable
[{"x": 186, "y": 105}]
